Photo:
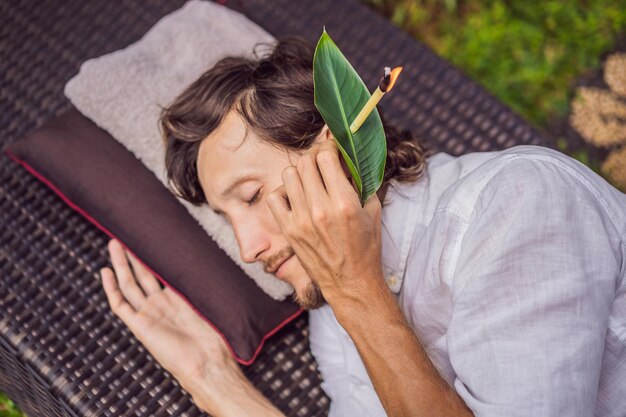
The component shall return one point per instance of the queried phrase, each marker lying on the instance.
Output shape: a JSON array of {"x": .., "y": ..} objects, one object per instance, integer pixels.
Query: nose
[{"x": 252, "y": 239}]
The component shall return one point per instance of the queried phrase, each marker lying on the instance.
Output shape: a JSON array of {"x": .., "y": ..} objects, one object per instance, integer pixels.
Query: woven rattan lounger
[{"x": 62, "y": 351}]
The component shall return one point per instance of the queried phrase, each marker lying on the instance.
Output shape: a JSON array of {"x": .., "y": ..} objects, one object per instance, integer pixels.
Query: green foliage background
[
  {"x": 8, "y": 408},
  {"x": 526, "y": 52}
]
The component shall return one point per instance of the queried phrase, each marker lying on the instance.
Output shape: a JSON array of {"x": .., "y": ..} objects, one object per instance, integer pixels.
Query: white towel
[{"x": 123, "y": 93}]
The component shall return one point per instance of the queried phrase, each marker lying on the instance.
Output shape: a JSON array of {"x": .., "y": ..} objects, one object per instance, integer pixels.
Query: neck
[{"x": 382, "y": 191}]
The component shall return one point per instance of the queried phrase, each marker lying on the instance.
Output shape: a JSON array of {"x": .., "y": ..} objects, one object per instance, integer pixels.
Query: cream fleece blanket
[{"x": 123, "y": 92}]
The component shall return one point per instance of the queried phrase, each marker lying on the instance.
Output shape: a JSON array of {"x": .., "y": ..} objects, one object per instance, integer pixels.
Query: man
[{"x": 489, "y": 284}]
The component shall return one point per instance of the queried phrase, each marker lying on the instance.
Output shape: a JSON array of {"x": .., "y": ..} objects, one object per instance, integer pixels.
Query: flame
[{"x": 394, "y": 76}]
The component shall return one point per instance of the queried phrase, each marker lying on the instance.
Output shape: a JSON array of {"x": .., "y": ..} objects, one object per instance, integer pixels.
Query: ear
[
  {"x": 327, "y": 132},
  {"x": 324, "y": 135}
]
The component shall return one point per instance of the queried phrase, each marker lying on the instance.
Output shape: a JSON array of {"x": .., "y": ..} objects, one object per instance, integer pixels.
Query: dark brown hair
[{"x": 274, "y": 95}]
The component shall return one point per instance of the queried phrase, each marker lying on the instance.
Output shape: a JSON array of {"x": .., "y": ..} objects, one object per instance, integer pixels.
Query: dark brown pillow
[{"x": 99, "y": 178}]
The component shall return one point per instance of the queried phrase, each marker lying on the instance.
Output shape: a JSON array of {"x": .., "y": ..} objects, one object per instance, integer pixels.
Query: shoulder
[
  {"x": 453, "y": 184},
  {"x": 521, "y": 173}
]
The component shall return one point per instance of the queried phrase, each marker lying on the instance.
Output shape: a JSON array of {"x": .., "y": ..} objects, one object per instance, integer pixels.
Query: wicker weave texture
[{"x": 64, "y": 349}]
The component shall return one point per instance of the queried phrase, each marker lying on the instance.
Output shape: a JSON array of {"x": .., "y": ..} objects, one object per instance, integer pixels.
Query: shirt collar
[{"x": 399, "y": 217}]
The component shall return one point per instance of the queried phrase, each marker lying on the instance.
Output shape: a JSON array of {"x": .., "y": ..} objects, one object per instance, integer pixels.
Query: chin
[
  {"x": 306, "y": 292},
  {"x": 309, "y": 296}
]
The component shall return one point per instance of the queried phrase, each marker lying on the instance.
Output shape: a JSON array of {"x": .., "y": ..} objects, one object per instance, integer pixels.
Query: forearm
[
  {"x": 224, "y": 391},
  {"x": 405, "y": 379}
]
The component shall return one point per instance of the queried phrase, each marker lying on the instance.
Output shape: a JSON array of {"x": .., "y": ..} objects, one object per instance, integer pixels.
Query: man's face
[{"x": 227, "y": 155}]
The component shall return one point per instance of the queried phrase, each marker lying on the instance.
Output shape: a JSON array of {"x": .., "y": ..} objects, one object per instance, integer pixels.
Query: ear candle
[{"x": 385, "y": 85}]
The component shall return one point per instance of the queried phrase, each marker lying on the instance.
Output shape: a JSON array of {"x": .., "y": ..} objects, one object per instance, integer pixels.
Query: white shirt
[{"x": 509, "y": 266}]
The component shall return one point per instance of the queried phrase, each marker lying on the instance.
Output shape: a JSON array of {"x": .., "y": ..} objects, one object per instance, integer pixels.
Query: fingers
[
  {"x": 279, "y": 206},
  {"x": 293, "y": 188},
  {"x": 127, "y": 283},
  {"x": 332, "y": 171},
  {"x": 148, "y": 282},
  {"x": 116, "y": 299},
  {"x": 319, "y": 175},
  {"x": 314, "y": 189}
]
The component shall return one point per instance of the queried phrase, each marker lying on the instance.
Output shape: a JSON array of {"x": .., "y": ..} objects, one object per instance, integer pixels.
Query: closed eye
[{"x": 254, "y": 198}]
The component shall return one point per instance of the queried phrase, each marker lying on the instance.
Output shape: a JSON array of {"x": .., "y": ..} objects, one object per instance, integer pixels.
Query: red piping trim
[{"x": 69, "y": 202}]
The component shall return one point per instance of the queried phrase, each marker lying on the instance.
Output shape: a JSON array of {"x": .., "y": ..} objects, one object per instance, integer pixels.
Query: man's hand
[
  {"x": 178, "y": 338},
  {"x": 337, "y": 241}
]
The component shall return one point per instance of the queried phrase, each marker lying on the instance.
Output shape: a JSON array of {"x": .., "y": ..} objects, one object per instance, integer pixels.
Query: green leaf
[{"x": 339, "y": 96}]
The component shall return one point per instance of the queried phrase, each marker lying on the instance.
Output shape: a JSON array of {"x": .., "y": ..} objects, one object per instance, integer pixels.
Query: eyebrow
[{"x": 234, "y": 184}]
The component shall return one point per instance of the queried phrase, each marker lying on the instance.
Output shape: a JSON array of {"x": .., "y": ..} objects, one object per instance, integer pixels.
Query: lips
[{"x": 278, "y": 265}]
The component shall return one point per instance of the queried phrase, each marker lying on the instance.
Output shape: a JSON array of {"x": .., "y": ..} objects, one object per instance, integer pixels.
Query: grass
[
  {"x": 529, "y": 54},
  {"x": 8, "y": 407}
]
